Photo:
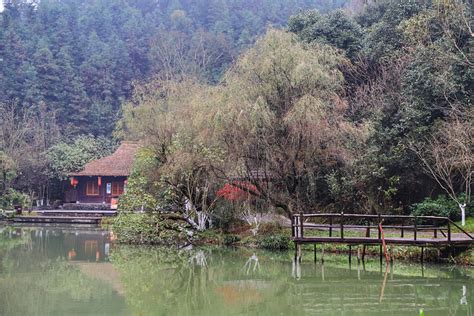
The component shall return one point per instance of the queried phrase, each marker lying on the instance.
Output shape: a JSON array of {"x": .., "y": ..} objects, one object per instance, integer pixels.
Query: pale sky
[{"x": 1, "y": 5}]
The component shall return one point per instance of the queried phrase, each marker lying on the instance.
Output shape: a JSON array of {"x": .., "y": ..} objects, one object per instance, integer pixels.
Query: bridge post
[
  {"x": 380, "y": 232},
  {"x": 449, "y": 231},
  {"x": 416, "y": 228},
  {"x": 342, "y": 225},
  {"x": 301, "y": 224},
  {"x": 380, "y": 239},
  {"x": 293, "y": 226},
  {"x": 330, "y": 226}
]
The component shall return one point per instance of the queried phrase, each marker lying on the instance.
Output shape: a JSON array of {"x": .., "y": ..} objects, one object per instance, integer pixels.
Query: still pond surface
[{"x": 77, "y": 271}]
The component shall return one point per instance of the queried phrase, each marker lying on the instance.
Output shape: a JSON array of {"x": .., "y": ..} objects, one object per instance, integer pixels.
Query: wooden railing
[{"x": 333, "y": 222}]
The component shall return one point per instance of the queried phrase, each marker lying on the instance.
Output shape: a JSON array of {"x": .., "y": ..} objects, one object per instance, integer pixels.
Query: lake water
[{"x": 78, "y": 271}]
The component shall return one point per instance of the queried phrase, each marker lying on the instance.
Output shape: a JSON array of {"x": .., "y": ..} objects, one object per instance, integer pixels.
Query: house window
[
  {"x": 117, "y": 188},
  {"x": 92, "y": 188}
]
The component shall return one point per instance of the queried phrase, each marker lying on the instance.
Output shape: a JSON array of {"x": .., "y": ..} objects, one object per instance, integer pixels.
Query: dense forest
[
  {"x": 67, "y": 66},
  {"x": 286, "y": 105},
  {"x": 81, "y": 57}
]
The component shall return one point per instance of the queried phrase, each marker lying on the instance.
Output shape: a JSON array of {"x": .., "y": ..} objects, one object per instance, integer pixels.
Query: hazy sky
[{"x": 1, "y": 5}]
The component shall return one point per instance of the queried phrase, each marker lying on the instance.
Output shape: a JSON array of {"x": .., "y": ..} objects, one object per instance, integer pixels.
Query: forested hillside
[
  {"x": 80, "y": 57},
  {"x": 365, "y": 109}
]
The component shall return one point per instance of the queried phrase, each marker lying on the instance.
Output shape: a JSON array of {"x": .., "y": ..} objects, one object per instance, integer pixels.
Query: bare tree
[{"x": 447, "y": 156}]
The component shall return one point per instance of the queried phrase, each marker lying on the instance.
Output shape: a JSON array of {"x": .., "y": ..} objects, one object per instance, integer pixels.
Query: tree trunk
[{"x": 462, "y": 207}]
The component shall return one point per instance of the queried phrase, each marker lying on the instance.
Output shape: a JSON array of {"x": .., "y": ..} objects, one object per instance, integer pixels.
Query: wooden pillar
[
  {"x": 449, "y": 231},
  {"x": 416, "y": 228},
  {"x": 342, "y": 225},
  {"x": 293, "y": 226},
  {"x": 330, "y": 226},
  {"x": 380, "y": 232},
  {"x": 301, "y": 224}
]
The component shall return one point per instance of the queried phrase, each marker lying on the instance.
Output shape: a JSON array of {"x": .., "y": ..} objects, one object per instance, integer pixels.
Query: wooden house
[{"x": 103, "y": 180}]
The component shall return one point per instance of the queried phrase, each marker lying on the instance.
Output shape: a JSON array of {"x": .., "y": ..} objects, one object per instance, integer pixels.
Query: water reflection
[
  {"x": 253, "y": 260},
  {"x": 242, "y": 282},
  {"x": 63, "y": 271},
  {"x": 57, "y": 271},
  {"x": 75, "y": 244}
]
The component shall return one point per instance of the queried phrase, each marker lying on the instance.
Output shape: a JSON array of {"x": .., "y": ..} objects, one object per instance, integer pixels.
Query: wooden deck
[
  {"x": 58, "y": 219},
  {"x": 79, "y": 217},
  {"x": 358, "y": 229},
  {"x": 83, "y": 213}
]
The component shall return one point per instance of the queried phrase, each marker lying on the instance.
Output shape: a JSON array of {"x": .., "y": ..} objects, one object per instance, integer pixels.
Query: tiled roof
[{"x": 120, "y": 163}]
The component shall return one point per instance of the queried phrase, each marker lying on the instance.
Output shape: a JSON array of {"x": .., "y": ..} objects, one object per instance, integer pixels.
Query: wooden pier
[
  {"x": 359, "y": 229},
  {"x": 58, "y": 219},
  {"x": 79, "y": 217}
]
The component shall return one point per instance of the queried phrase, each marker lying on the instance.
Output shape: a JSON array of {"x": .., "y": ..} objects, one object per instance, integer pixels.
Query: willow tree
[
  {"x": 173, "y": 120},
  {"x": 281, "y": 119}
]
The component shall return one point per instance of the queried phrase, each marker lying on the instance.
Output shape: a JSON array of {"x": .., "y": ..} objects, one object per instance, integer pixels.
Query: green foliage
[
  {"x": 336, "y": 29},
  {"x": 137, "y": 196},
  {"x": 334, "y": 107},
  {"x": 226, "y": 217},
  {"x": 69, "y": 157},
  {"x": 12, "y": 198},
  {"x": 146, "y": 228},
  {"x": 80, "y": 58},
  {"x": 274, "y": 242},
  {"x": 270, "y": 229},
  {"x": 140, "y": 194},
  {"x": 469, "y": 225},
  {"x": 230, "y": 239},
  {"x": 384, "y": 39},
  {"x": 441, "y": 206}
]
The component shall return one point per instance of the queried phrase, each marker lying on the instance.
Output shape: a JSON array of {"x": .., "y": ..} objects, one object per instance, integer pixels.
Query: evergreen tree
[
  {"x": 48, "y": 77},
  {"x": 74, "y": 110}
]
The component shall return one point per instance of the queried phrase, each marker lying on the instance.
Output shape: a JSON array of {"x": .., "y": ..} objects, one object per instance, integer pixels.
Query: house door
[
  {"x": 71, "y": 196},
  {"x": 113, "y": 190}
]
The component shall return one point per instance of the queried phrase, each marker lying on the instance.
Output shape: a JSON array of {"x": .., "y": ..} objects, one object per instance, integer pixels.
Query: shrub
[
  {"x": 270, "y": 228},
  {"x": 274, "y": 242},
  {"x": 226, "y": 217},
  {"x": 13, "y": 197},
  {"x": 231, "y": 239},
  {"x": 441, "y": 206},
  {"x": 145, "y": 228}
]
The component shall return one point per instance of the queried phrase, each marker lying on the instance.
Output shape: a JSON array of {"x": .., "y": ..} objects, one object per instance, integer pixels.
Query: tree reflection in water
[
  {"x": 226, "y": 282},
  {"x": 36, "y": 278},
  {"x": 248, "y": 265}
]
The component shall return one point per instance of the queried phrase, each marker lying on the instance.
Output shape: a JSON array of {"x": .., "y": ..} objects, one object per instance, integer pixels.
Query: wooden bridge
[{"x": 359, "y": 229}]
